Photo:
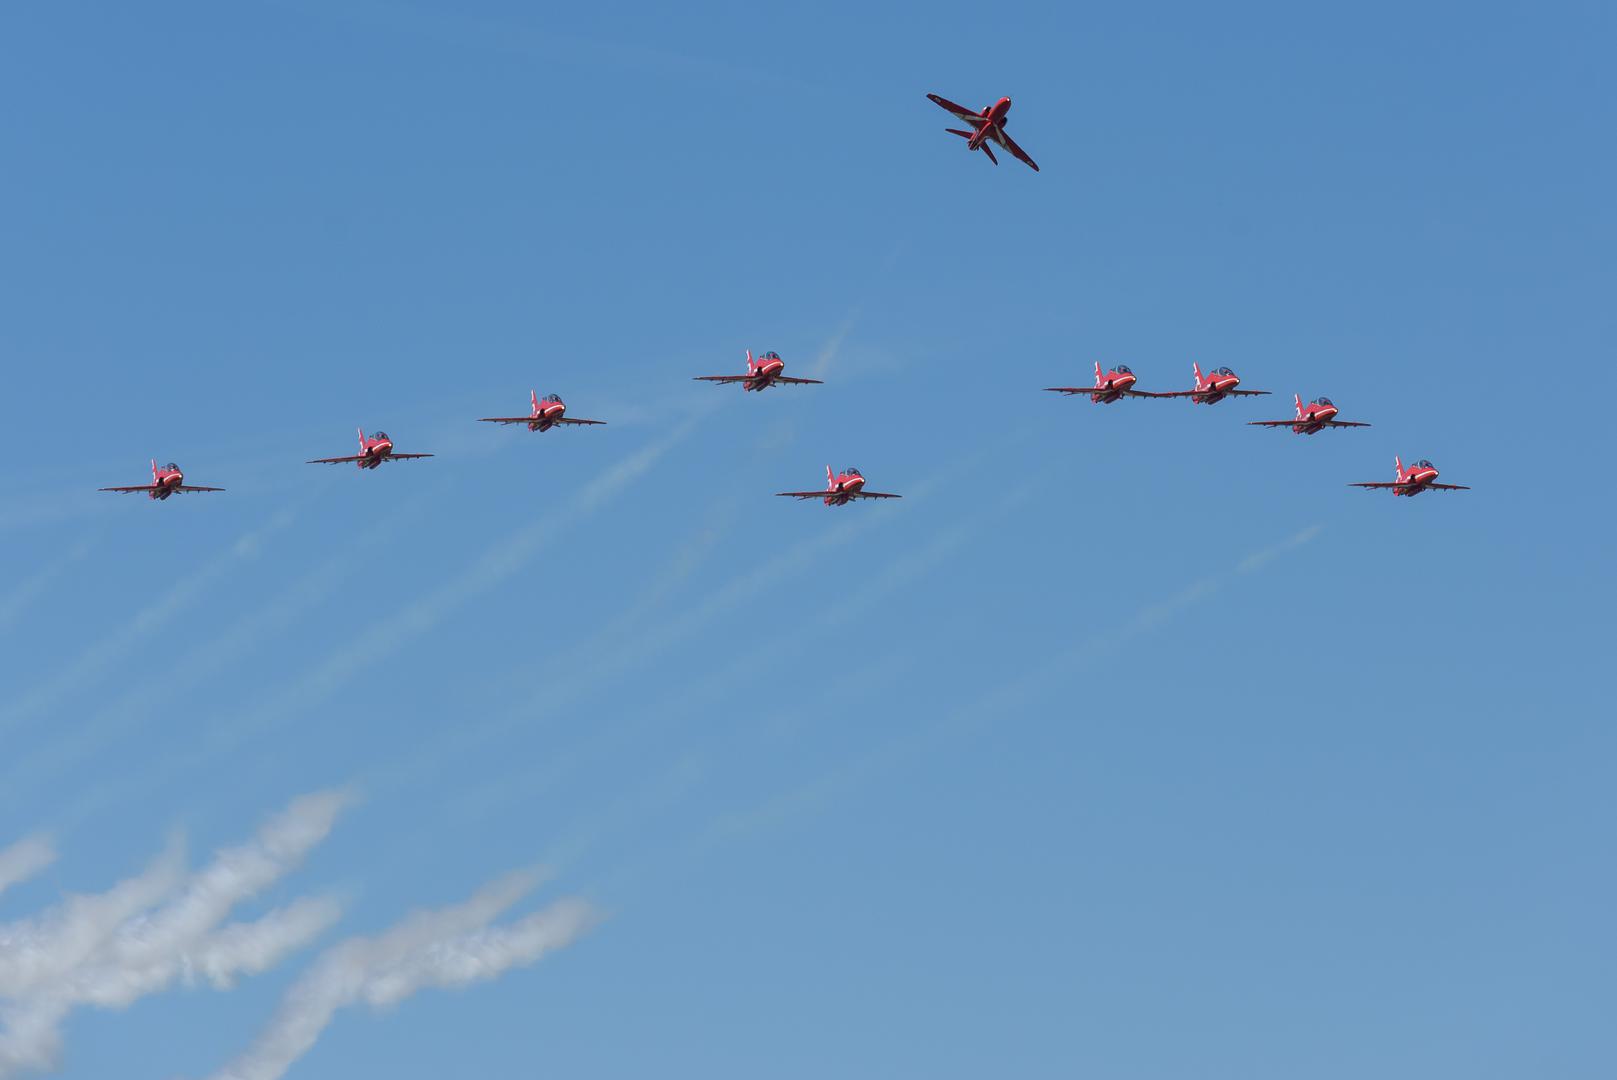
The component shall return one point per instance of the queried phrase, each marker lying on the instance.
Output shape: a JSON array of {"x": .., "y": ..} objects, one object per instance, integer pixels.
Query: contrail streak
[{"x": 415, "y": 619}]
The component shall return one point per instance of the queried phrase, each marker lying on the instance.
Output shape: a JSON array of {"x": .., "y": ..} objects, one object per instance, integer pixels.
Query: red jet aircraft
[
  {"x": 165, "y": 482},
  {"x": 373, "y": 450},
  {"x": 987, "y": 127},
  {"x": 1116, "y": 383},
  {"x": 1317, "y": 415},
  {"x": 546, "y": 414},
  {"x": 1213, "y": 387},
  {"x": 1417, "y": 478},
  {"x": 840, "y": 488},
  {"x": 762, "y": 373}
]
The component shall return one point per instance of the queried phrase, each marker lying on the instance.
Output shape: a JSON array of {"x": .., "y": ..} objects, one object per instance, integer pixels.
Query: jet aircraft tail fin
[{"x": 830, "y": 478}]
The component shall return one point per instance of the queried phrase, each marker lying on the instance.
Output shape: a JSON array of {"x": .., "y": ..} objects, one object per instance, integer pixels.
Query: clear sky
[{"x": 1131, "y": 743}]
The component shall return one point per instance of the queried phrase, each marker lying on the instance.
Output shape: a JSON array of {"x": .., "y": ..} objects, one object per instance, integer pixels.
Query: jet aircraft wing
[
  {"x": 959, "y": 110},
  {"x": 1016, "y": 151},
  {"x": 572, "y": 420}
]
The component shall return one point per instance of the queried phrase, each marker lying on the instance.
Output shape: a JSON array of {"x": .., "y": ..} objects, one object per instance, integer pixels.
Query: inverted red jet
[
  {"x": 1114, "y": 384},
  {"x": 1317, "y": 415},
  {"x": 546, "y": 414},
  {"x": 762, "y": 373},
  {"x": 840, "y": 489},
  {"x": 987, "y": 127},
  {"x": 1419, "y": 477},
  {"x": 1213, "y": 387},
  {"x": 373, "y": 450},
  {"x": 168, "y": 480}
]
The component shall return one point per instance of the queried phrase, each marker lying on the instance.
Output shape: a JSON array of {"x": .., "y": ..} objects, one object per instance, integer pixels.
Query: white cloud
[
  {"x": 24, "y": 859},
  {"x": 449, "y": 947}
]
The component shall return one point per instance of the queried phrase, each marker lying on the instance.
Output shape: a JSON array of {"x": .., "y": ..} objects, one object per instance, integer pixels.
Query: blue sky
[{"x": 1131, "y": 742}]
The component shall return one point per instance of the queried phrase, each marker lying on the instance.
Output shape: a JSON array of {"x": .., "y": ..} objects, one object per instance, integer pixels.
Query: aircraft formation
[{"x": 986, "y": 130}]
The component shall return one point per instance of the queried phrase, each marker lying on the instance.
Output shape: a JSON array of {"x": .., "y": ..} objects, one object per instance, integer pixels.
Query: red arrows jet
[
  {"x": 1417, "y": 478},
  {"x": 840, "y": 489},
  {"x": 987, "y": 127},
  {"x": 546, "y": 414},
  {"x": 165, "y": 482},
  {"x": 1116, "y": 383},
  {"x": 1213, "y": 387},
  {"x": 373, "y": 450},
  {"x": 762, "y": 373},
  {"x": 1317, "y": 415}
]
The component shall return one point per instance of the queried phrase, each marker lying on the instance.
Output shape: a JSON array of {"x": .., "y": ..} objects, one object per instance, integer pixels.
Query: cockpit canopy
[
  {"x": 379, "y": 436},
  {"x": 1424, "y": 464},
  {"x": 1323, "y": 401},
  {"x": 171, "y": 467},
  {"x": 770, "y": 356},
  {"x": 553, "y": 398},
  {"x": 851, "y": 471},
  {"x": 1123, "y": 369},
  {"x": 1223, "y": 371}
]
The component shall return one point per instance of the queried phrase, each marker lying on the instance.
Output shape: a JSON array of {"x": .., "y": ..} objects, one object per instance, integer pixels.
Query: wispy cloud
[
  {"x": 24, "y": 859},
  {"x": 90, "y": 666},
  {"x": 828, "y": 352},
  {"x": 34, "y": 585},
  {"x": 110, "y": 949},
  {"x": 450, "y": 947},
  {"x": 517, "y": 38},
  {"x": 993, "y": 706},
  {"x": 33, "y": 769}
]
